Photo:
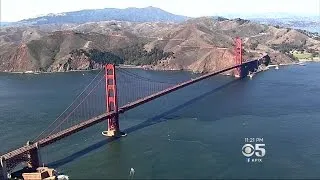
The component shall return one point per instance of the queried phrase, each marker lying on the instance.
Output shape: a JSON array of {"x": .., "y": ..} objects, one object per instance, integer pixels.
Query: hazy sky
[{"x": 13, "y": 10}]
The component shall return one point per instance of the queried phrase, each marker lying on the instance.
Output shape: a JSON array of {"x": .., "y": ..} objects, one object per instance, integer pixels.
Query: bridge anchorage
[{"x": 30, "y": 157}]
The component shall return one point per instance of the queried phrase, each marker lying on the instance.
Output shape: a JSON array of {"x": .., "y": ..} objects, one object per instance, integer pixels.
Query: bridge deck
[{"x": 67, "y": 132}]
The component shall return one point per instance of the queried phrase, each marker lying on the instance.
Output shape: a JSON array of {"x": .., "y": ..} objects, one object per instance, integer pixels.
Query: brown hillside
[{"x": 200, "y": 44}]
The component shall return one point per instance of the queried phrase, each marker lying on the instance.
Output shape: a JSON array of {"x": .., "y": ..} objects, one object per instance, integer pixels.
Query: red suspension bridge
[{"x": 122, "y": 90}]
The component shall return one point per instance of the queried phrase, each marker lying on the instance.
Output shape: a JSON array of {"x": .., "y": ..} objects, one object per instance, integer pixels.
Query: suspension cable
[
  {"x": 142, "y": 78},
  {"x": 69, "y": 105},
  {"x": 77, "y": 105}
]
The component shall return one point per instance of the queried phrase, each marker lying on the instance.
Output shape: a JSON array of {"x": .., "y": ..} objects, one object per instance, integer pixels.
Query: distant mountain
[
  {"x": 148, "y": 14},
  {"x": 2, "y": 24},
  {"x": 270, "y": 15},
  {"x": 153, "y": 14},
  {"x": 305, "y": 22}
]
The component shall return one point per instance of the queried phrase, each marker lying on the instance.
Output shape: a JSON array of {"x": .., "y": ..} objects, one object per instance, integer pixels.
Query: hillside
[{"x": 200, "y": 44}]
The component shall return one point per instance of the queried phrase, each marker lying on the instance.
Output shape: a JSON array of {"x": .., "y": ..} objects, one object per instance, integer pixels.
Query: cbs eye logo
[{"x": 248, "y": 150}]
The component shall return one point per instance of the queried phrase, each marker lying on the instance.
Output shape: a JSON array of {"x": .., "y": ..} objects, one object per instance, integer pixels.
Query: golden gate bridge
[{"x": 112, "y": 92}]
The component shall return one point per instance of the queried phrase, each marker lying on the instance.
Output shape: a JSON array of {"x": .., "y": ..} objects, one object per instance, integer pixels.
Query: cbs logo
[{"x": 248, "y": 150}]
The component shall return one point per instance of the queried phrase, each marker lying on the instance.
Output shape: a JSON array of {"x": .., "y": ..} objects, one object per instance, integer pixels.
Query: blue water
[{"x": 196, "y": 132}]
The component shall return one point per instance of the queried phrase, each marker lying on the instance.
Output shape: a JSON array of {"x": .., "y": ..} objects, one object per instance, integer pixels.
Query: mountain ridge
[
  {"x": 132, "y": 14},
  {"x": 154, "y": 14},
  {"x": 200, "y": 44}
]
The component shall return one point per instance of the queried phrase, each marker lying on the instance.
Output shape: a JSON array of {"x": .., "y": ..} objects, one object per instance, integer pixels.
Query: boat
[
  {"x": 302, "y": 64},
  {"x": 277, "y": 67},
  {"x": 250, "y": 75},
  {"x": 63, "y": 177}
]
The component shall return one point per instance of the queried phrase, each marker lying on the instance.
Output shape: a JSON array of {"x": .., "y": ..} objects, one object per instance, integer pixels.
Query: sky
[{"x": 14, "y": 10}]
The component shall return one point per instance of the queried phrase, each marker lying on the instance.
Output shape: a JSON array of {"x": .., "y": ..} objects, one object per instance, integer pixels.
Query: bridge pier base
[
  {"x": 3, "y": 169},
  {"x": 113, "y": 133}
]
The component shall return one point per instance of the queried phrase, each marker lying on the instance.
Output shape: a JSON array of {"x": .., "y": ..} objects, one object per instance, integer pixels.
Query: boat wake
[
  {"x": 198, "y": 142},
  {"x": 63, "y": 177}
]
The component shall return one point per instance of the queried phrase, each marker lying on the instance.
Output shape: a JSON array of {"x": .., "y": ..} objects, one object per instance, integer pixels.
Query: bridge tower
[
  {"x": 238, "y": 56},
  {"x": 112, "y": 102}
]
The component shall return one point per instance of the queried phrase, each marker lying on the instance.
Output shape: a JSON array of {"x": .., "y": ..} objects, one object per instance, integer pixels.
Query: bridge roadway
[{"x": 90, "y": 122}]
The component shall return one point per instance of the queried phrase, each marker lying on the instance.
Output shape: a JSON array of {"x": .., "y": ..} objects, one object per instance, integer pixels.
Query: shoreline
[
  {"x": 130, "y": 66},
  {"x": 79, "y": 70},
  {"x": 37, "y": 72},
  {"x": 309, "y": 60},
  {"x": 147, "y": 68}
]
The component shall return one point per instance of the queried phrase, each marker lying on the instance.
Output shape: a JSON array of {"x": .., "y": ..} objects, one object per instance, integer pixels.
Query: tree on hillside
[
  {"x": 292, "y": 56},
  {"x": 104, "y": 57},
  {"x": 254, "y": 45},
  {"x": 286, "y": 48},
  {"x": 137, "y": 55},
  {"x": 311, "y": 51}
]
